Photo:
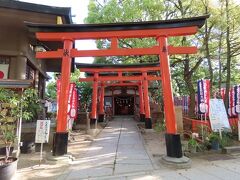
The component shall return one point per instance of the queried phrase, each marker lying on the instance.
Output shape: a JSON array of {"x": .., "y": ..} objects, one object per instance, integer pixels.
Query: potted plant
[
  {"x": 192, "y": 145},
  {"x": 9, "y": 113},
  {"x": 214, "y": 140}
]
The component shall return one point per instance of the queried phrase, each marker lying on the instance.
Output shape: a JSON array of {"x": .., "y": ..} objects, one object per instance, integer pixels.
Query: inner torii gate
[
  {"x": 160, "y": 30},
  {"x": 122, "y": 73}
]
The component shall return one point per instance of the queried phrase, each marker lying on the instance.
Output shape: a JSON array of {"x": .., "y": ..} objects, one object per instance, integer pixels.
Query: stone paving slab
[
  {"x": 220, "y": 173},
  {"x": 128, "y": 168},
  {"x": 196, "y": 174},
  {"x": 89, "y": 172}
]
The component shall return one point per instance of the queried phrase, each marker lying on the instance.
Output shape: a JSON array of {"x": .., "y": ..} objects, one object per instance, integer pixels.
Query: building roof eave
[
  {"x": 38, "y": 8},
  {"x": 161, "y": 24}
]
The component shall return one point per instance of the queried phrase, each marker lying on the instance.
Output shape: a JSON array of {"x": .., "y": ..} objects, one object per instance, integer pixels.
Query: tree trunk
[
  {"x": 228, "y": 67},
  {"x": 220, "y": 63},
  {"x": 207, "y": 55},
  {"x": 190, "y": 87}
]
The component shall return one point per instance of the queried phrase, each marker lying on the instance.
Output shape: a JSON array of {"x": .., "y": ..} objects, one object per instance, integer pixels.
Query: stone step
[{"x": 231, "y": 149}]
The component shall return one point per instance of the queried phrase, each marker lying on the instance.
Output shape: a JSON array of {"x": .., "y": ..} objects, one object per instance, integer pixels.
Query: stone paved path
[{"x": 117, "y": 150}]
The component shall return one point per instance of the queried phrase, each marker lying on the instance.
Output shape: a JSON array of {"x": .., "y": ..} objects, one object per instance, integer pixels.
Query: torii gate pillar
[
  {"x": 101, "y": 104},
  {"x": 141, "y": 103},
  {"x": 94, "y": 100},
  {"x": 148, "y": 120},
  {"x": 173, "y": 141},
  {"x": 60, "y": 139}
]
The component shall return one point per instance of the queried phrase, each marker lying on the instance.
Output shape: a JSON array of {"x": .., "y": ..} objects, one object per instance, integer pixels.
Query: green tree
[{"x": 218, "y": 41}]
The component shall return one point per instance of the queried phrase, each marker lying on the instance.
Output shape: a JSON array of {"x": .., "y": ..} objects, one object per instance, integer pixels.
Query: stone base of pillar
[
  {"x": 173, "y": 145},
  {"x": 100, "y": 117},
  {"x": 142, "y": 117},
  {"x": 60, "y": 143},
  {"x": 148, "y": 123},
  {"x": 177, "y": 163}
]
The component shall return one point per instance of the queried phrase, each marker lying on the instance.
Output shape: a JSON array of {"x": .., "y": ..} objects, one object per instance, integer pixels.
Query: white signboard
[
  {"x": 218, "y": 115},
  {"x": 42, "y": 131}
]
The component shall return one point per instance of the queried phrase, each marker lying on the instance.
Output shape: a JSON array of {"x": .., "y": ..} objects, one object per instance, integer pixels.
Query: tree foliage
[{"x": 218, "y": 41}]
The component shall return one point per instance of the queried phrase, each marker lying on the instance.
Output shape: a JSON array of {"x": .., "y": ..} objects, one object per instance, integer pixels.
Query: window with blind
[
  {"x": 5, "y": 59},
  {"x": 41, "y": 86},
  {"x": 30, "y": 72}
]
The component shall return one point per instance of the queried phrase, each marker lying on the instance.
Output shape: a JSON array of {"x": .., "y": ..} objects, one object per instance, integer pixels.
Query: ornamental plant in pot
[
  {"x": 214, "y": 140},
  {"x": 192, "y": 145},
  {"x": 9, "y": 113}
]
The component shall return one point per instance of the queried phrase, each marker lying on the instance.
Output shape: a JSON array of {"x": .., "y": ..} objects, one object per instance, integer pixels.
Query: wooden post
[
  {"x": 173, "y": 142},
  {"x": 94, "y": 99},
  {"x": 61, "y": 135},
  {"x": 141, "y": 102},
  {"x": 148, "y": 121},
  {"x": 101, "y": 107}
]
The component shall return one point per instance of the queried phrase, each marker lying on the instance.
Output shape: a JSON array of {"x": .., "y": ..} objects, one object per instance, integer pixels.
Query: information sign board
[
  {"x": 218, "y": 115},
  {"x": 42, "y": 131}
]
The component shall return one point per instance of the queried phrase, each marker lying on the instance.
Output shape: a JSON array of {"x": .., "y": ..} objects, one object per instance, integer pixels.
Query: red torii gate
[
  {"x": 140, "y": 92},
  {"x": 121, "y": 70},
  {"x": 160, "y": 30}
]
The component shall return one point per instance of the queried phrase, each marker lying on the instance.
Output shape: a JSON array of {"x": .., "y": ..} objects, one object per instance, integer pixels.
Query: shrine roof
[{"x": 161, "y": 24}]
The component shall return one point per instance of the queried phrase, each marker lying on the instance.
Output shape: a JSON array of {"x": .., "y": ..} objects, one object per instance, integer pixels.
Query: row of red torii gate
[{"x": 139, "y": 75}]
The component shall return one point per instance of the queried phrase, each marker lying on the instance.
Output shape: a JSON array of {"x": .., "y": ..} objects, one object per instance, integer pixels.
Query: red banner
[
  {"x": 72, "y": 99},
  {"x": 71, "y": 88}
]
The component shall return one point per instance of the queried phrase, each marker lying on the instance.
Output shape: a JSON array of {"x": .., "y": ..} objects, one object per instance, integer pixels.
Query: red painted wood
[
  {"x": 94, "y": 96},
  {"x": 182, "y": 50},
  {"x": 102, "y": 92},
  {"x": 145, "y": 96},
  {"x": 138, "y": 69},
  {"x": 141, "y": 101},
  {"x": 124, "y": 78},
  {"x": 64, "y": 90},
  {"x": 121, "y": 84},
  {"x": 169, "y": 110},
  {"x": 59, "y": 36},
  {"x": 114, "y": 43},
  {"x": 114, "y": 51}
]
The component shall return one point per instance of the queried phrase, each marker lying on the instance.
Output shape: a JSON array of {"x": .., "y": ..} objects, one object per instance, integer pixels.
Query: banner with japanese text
[
  {"x": 203, "y": 92},
  {"x": 237, "y": 99}
]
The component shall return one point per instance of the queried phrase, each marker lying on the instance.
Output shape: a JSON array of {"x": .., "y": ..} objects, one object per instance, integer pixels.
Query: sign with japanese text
[
  {"x": 237, "y": 99},
  {"x": 42, "y": 131},
  {"x": 218, "y": 115}
]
